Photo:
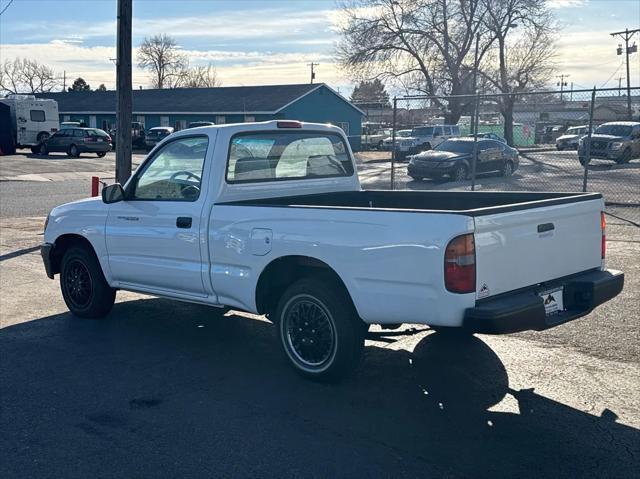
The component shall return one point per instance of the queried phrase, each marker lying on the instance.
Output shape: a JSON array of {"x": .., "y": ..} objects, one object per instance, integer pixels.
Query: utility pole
[
  {"x": 64, "y": 80},
  {"x": 620, "y": 85},
  {"x": 562, "y": 83},
  {"x": 626, "y": 35},
  {"x": 123, "y": 92},
  {"x": 313, "y": 73},
  {"x": 571, "y": 94}
]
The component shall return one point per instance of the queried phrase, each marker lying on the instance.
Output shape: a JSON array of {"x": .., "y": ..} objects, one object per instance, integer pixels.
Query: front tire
[
  {"x": 73, "y": 151},
  {"x": 319, "y": 330},
  {"x": 459, "y": 174},
  {"x": 84, "y": 288},
  {"x": 101, "y": 154},
  {"x": 625, "y": 157}
]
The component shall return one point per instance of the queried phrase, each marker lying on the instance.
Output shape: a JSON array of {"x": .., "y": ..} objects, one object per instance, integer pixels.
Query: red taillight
[
  {"x": 90, "y": 139},
  {"x": 460, "y": 265},
  {"x": 603, "y": 227},
  {"x": 289, "y": 124}
]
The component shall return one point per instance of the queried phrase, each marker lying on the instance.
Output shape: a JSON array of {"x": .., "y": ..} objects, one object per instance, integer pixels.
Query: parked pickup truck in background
[{"x": 270, "y": 218}]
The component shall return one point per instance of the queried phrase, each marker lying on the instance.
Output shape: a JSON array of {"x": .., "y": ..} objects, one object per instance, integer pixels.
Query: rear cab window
[{"x": 279, "y": 156}]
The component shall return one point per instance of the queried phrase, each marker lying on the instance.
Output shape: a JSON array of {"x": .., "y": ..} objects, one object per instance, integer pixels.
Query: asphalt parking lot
[{"x": 167, "y": 389}]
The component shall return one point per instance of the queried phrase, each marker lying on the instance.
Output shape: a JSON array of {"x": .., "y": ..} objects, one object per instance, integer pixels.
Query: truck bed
[{"x": 470, "y": 203}]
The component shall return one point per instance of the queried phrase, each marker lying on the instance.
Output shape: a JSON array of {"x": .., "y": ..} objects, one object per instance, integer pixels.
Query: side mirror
[{"x": 112, "y": 193}]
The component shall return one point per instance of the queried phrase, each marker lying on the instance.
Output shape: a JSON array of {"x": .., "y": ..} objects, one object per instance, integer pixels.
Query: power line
[
  {"x": 6, "y": 6},
  {"x": 612, "y": 75}
]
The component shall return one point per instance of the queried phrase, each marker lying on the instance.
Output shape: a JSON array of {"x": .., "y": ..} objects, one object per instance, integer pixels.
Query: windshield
[
  {"x": 614, "y": 130},
  {"x": 423, "y": 131},
  {"x": 455, "y": 146},
  {"x": 404, "y": 133},
  {"x": 576, "y": 130}
]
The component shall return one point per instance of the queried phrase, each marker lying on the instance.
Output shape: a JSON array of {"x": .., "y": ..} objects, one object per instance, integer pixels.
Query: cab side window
[{"x": 174, "y": 173}]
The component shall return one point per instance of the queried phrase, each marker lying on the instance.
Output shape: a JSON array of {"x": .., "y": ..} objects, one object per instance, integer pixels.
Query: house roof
[{"x": 268, "y": 99}]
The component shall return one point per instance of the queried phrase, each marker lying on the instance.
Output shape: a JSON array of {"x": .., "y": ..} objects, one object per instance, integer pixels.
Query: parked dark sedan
[
  {"x": 453, "y": 158},
  {"x": 74, "y": 141}
]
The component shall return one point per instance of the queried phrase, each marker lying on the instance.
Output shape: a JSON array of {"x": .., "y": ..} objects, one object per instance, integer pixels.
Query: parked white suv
[{"x": 425, "y": 138}]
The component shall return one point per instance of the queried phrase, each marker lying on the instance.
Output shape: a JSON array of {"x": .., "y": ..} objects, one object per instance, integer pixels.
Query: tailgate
[{"x": 522, "y": 248}]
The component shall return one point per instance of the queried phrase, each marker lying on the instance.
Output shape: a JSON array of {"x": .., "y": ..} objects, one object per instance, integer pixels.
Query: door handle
[
  {"x": 183, "y": 222},
  {"x": 545, "y": 227},
  {"x": 129, "y": 218}
]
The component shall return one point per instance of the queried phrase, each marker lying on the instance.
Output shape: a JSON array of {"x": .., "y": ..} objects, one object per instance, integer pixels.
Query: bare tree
[
  {"x": 22, "y": 75},
  {"x": 523, "y": 32},
  {"x": 197, "y": 77},
  {"x": 161, "y": 56},
  {"x": 428, "y": 45}
]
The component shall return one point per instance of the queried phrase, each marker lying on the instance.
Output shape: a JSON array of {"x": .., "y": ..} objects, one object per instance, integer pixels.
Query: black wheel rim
[
  {"x": 460, "y": 174},
  {"x": 309, "y": 332},
  {"x": 77, "y": 281},
  {"x": 507, "y": 169}
]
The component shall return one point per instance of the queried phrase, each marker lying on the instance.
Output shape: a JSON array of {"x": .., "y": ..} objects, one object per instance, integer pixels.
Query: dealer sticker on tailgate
[{"x": 552, "y": 301}]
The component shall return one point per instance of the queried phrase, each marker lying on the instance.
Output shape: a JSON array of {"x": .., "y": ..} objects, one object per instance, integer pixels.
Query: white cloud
[
  {"x": 234, "y": 67},
  {"x": 566, "y": 3}
]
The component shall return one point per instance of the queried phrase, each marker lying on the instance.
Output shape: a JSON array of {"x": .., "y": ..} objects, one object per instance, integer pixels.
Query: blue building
[{"x": 180, "y": 106}]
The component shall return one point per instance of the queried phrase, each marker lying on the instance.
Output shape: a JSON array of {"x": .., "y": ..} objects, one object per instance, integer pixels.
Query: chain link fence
[{"x": 563, "y": 141}]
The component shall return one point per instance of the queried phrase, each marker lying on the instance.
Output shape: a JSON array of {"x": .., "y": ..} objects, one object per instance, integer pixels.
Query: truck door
[{"x": 154, "y": 236}]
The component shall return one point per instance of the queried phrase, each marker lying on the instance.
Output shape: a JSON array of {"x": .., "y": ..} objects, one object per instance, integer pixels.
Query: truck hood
[
  {"x": 608, "y": 137},
  {"x": 85, "y": 204}
]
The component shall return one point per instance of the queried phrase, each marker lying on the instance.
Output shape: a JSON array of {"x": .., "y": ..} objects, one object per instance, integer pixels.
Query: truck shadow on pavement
[{"x": 165, "y": 389}]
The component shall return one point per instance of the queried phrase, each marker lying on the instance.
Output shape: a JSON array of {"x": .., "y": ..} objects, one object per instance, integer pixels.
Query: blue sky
[{"x": 268, "y": 41}]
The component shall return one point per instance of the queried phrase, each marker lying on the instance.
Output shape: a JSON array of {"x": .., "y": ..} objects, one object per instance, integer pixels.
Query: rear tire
[
  {"x": 84, "y": 288},
  {"x": 507, "y": 169},
  {"x": 582, "y": 160},
  {"x": 43, "y": 151},
  {"x": 101, "y": 154},
  {"x": 319, "y": 330}
]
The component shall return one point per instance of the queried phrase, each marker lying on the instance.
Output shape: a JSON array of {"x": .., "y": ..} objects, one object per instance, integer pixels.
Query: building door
[{"x": 92, "y": 121}]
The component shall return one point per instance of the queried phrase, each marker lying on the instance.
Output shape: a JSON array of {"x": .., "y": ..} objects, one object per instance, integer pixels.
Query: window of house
[
  {"x": 249, "y": 118},
  {"x": 180, "y": 125},
  {"x": 220, "y": 120},
  {"x": 37, "y": 115},
  {"x": 274, "y": 156},
  {"x": 345, "y": 127},
  {"x": 164, "y": 121}
]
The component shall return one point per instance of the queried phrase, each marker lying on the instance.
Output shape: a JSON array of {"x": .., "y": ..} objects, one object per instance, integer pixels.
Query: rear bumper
[
  {"x": 46, "y": 249},
  {"x": 95, "y": 147},
  {"x": 524, "y": 310}
]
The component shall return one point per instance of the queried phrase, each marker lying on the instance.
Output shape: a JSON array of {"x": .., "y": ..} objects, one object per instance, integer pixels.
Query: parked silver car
[{"x": 569, "y": 140}]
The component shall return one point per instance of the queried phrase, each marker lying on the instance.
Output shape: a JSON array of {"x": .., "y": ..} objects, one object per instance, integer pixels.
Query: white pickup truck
[{"x": 270, "y": 218}]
